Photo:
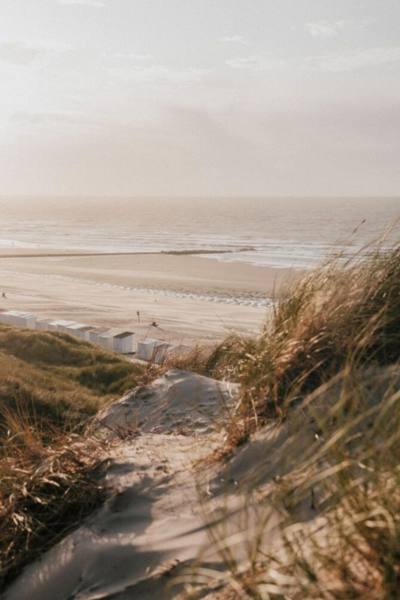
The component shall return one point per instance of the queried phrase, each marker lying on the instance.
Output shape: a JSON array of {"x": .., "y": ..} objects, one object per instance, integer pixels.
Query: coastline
[{"x": 192, "y": 299}]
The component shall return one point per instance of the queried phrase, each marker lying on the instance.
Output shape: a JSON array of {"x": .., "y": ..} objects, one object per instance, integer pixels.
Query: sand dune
[{"x": 156, "y": 524}]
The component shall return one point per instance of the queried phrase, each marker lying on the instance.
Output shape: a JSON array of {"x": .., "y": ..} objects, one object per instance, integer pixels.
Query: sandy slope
[{"x": 168, "y": 501}]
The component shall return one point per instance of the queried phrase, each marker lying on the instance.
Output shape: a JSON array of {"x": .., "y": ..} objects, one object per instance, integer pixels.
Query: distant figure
[
  {"x": 154, "y": 324},
  {"x": 138, "y": 315},
  {"x": 4, "y": 295}
]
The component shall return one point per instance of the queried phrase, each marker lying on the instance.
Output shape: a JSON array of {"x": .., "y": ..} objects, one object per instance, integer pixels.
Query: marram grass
[
  {"x": 327, "y": 365},
  {"x": 343, "y": 313},
  {"x": 51, "y": 386}
]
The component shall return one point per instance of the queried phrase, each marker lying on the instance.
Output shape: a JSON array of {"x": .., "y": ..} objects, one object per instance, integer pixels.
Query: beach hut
[
  {"x": 43, "y": 324},
  {"x": 78, "y": 329},
  {"x": 5, "y": 316},
  {"x": 52, "y": 325},
  {"x": 123, "y": 342},
  {"x": 28, "y": 320},
  {"x": 145, "y": 348},
  {"x": 62, "y": 325},
  {"x": 95, "y": 333},
  {"x": 106, "y": 339},
  {"x": 161, "y": 352},
  {"x": 83, "y": 332},
  {"x": 20, "y": 319}
]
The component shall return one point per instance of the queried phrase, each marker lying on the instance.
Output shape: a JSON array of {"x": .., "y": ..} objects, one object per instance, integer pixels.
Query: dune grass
[
  {"x": 46, "y": 490},
  {"x": 337, "y": 498},
  {"x": 63, "y": 379},
  {"x": 51, "y": 386},
  {"x": 344, "y": 313},
  {"x": 352, "y": 471},
  {"x": 327, "y": 366}
]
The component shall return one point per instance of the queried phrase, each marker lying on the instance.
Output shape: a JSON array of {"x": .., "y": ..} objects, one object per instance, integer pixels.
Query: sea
[{"x": 277, "y": 232}]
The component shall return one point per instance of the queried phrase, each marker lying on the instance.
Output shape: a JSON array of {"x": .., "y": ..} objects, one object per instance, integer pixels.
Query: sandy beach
[{"x": 191, "y": 298}]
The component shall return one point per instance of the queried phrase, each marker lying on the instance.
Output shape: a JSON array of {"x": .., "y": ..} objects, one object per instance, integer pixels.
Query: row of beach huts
[{"x": 149, "y": 349}]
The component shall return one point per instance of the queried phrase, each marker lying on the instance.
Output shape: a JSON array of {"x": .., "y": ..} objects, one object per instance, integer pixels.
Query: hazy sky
[{"x": 200, "y": 97}]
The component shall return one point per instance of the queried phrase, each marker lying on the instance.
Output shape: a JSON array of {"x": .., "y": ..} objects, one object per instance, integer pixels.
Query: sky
[{"x": 200, "y": 97}]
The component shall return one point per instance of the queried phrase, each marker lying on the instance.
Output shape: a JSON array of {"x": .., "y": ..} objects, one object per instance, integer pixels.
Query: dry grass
[
  {"x": 222, "y": 361},
  {"x": 328, "y": 526},
  {"x": 355, "y": 479},
  {"x": 350, "y": 476},
  {"x": 196, "y": 360},
  {"x": 64, "y": 379},
  {"x": 327, "y": 363},
  {"x": 49, "y": 483},
  {"x": 51, "y": 386},
  {"x": 344, "y": 313}
]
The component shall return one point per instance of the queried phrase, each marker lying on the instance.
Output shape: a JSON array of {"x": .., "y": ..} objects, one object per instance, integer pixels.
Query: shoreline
[{"x": 5, "y": 253}]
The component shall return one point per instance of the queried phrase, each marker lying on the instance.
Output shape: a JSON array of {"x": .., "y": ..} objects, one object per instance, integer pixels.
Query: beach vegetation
[
  {"x": 328, "y": 524},
  {"x": 326, "y": 372},
  {"x": 51, "y": 386},
  {"x": 64, "y": 379},
  {"x": 345, "y": 313}
]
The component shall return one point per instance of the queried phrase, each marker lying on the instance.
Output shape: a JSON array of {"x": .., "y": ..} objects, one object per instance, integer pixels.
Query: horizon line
[{"x": 186, "y": 197}]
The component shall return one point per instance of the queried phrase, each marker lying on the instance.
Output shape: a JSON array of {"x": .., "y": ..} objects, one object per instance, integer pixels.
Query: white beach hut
[
  {"x": 62, "y": 325},
  {"x": 161, "y": 352},
  {"x": 5, "y": 316},
  {"x": 20, "y": 319},
  {"x": 43, "y": 324},
  {"x": 106, "y": 339},
  {"x": 83, "y": 332},
  {"x": 145, "y": 348},
  {"x": 123, "y": 342},
  {"x": 77, "y": 329},
  {"x": 52, "y": 325},
  {"x": 95, "y": 333},
  {"x": 28, "y": 320}
]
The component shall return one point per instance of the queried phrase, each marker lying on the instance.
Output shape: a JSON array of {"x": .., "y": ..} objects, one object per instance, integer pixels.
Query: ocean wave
[{"x": 285, "y": 233}]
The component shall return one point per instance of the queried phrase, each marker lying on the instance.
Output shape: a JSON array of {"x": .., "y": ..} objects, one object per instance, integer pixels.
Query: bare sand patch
[{"x": 156, "y": 523}]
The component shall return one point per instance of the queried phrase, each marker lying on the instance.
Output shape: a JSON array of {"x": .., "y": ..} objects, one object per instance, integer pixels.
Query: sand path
[{"x": 153, "y": 535}]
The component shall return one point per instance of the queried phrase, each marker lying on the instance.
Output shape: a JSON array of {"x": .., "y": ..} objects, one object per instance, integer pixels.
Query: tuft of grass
[
  {"x": 327, "y": 363},
  {"x": 345, "y": 312},
  {"x": 49, "y": 484},
  {"x": 222, "y": 361},
  {"x": 195, "y": 360},
  {"x": 353, "y": 472}
]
